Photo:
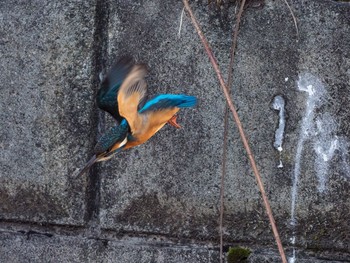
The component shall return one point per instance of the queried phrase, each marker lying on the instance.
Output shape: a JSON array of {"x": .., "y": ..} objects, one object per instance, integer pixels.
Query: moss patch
[{"x": 238, "y": 254}]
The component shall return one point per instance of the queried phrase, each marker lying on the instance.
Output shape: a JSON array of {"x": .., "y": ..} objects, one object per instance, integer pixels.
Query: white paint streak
[
  {"x": 293, "y": 258},
  {"x": 292, "y": 240},
  {"x": 315, "y": 90},
  {"x": 100, "y": 76},
  {"x": 181, "y": 20},
  {"x": 278, "y": 104},
  {"x": 325, "y": 144},
  {"x": 344, "y": 153},
  {"x": 322, "y": 132},
  {"x": 280, "y": 165}
]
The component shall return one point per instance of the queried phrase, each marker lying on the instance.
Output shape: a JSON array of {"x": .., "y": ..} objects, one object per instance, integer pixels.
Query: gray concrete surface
[
  {"x": 159, "y": 201},
  {"x": 40, "y": 248},
  {"x": 46, "y": 72}
]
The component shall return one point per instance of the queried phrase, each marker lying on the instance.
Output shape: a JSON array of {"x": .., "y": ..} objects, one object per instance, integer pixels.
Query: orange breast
[{"x": 152, "y": 123}]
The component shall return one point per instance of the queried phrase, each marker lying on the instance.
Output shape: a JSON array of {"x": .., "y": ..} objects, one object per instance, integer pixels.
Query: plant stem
[
  {"x": 224, "y": 150},
  {"x": 240, "y": 129}
]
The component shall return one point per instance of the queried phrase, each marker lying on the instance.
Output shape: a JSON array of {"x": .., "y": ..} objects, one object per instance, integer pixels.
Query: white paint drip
[
  {"x": 293, "y": 258},
  {"x": 181, "y": 20},
  {"x": 100, "y": 76},
  {"x": 315, "y": 90},
  {"x": 280, "y": 165},
  {"x": 326, "y": 143},
  {"x": 292, "y": 240},
  {"x": 344, "y": 153},
  {"x": 278, "y": 104}
]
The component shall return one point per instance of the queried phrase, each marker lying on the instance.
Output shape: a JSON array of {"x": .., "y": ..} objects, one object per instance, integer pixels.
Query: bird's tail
[
  {"x": 87, "y": 165},
  {"x": 186, "y": 101}
]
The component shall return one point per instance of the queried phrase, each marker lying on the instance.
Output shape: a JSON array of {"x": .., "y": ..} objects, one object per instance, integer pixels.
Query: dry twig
[
  {"x": 294, "y": 19},
  {"x": 224, "y": 150},
  {"x": 240, "y": 129}
]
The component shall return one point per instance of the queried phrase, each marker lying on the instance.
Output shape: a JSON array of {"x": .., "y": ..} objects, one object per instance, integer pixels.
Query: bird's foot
[{"x": 173, "y": 122}]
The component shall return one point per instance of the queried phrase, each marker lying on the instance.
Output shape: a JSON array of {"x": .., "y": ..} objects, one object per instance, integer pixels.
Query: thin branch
[
  {"x": 240, "y": 129},
  {"x": 294, "y": 18},
  {"x": 224, "y": 153}
]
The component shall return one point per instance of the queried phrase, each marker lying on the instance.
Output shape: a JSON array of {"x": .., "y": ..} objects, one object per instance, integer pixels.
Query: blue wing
[
  {"x": 107, "y": 95},
  {"x": 167, "y": 101}
]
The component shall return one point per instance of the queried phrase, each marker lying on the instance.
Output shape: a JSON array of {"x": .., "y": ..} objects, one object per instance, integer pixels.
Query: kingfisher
[{"x": 122, "y": 94}]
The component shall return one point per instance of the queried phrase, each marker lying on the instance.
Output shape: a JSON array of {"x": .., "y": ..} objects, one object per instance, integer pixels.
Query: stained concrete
[
  {"x": 170, "y": 185},
  {"x": 40, "y": 248},
  {"x": 51, "y": 57},
  {"x": 47, "y": 92}
]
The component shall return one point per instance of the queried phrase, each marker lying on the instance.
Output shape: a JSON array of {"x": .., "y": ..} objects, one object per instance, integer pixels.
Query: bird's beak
[{"x": 88, "y": 165}]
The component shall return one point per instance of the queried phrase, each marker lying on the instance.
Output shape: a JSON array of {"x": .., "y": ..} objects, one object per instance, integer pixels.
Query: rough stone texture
[
  {"x": 170, "y": 185},
  {"x": 272, "y": 256},
  {"x": 324, "y": 36},
  {"x": 16, "y": 246},
  {"x": 46, "y": 108},
  {"x": 51, "y": 56},
  {"x": 40, "y": 248}
]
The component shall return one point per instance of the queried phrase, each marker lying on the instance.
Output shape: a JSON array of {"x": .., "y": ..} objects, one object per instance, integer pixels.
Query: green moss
[{"x": 238, "y": 254}]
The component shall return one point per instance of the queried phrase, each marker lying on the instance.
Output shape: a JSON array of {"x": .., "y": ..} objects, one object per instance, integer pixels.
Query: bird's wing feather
[
  {"x": 113, "y": 136},
  {"x": 162, "y": 107},
  {"x": 107, "y": 95},
  {"x": 131, "y": 92},
  {"x": 166, "y": 101}
]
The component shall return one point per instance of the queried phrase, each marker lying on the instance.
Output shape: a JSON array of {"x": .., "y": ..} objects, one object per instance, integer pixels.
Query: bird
[{"x": 122, "y": 94}]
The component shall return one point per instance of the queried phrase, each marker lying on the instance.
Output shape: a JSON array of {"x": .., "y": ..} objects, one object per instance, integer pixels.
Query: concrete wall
[{"x": 159, "y": 202}]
